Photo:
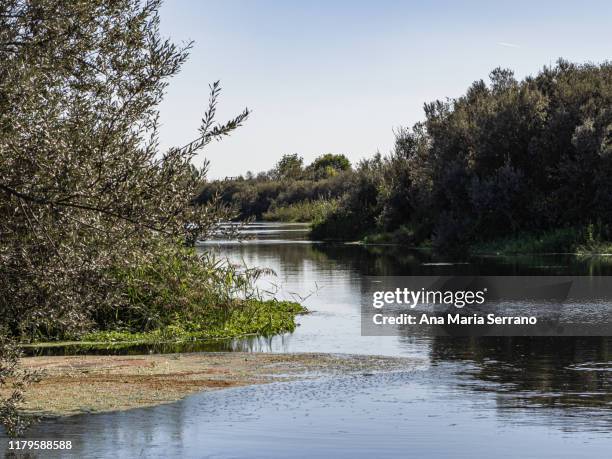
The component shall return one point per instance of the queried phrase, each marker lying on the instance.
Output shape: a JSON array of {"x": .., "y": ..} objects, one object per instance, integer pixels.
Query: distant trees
[
  {"x": 327, "y": 165},
  {"x": 289, "y": 167},
  {"x": 509, "y": 156},
  {"x": 289, "y": 182}
]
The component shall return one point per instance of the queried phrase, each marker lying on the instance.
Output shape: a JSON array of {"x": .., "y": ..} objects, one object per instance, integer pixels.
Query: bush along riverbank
[
  {"x": 510, "y": 166},
  {"x": 182, "y": 295},
  {"x": 248, "y": 317},
  {"x": 588, "y": 240},
  {"x": 302, "y": 212},
  {"x": 288, "y": 192}
]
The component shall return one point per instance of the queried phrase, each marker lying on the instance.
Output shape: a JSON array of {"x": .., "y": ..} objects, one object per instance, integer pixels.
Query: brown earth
[{"x": 77, "y": 384}]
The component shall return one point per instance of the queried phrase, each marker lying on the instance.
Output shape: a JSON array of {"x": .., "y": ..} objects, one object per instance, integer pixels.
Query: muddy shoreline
[{"x": 90, "y": 384}]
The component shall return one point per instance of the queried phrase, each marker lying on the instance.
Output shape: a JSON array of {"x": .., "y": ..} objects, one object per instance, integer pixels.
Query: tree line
[
  {"x": 301, "y": 192},
  {"x": 504, "y": 158},
  {"x": 508, "y": 157}
]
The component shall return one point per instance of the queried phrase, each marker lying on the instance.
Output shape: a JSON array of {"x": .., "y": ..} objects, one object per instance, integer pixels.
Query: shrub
[
  {"x": 176, "y": 284},
  {"x": 12, "y": 385},
  {"x": 526, "y": 156},
  {"x": 305, "y": 211}
]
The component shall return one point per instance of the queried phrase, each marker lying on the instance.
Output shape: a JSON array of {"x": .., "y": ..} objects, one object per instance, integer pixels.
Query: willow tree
[{"x": 84, "y": 187}]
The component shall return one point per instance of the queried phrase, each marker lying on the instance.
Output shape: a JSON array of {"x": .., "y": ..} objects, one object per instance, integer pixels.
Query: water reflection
[
  {"x": 559, "y": 377},
  {"x": 568, "y": 375},
  {"x": 532, "y": 397},
  {"x": 424, "y": 414}
]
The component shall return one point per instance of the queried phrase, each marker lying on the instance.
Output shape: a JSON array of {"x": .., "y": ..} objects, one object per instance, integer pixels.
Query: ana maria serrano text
[{"x": 458, "y": 299}]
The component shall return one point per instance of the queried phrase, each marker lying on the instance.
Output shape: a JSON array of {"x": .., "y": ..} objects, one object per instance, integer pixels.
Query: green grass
[
  {"x": 178, "y": 286},
  {"x": 252, "y": 317},
  {"x": 180, "y": 295},
  {"x": 587, "y": 240},
  {"x": 304, "y": 211},
  {"x": 564, "y": 240},
  {"x": 601, "y": 248},
  {"x": 404, "y": 235}
]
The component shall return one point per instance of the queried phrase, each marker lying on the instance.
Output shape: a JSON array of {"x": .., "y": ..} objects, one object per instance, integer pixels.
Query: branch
[
  {"x": 44, "y": 201},
  {"x": 207, "y": 130}
]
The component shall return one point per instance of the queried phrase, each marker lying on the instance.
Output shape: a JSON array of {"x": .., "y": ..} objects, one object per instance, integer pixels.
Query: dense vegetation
[
  {"x": 288, "y": 192},
  {"x": 97, "y": 225},
  {"x": 512, "y": 166},
  {"x": 513, "y": 157}
]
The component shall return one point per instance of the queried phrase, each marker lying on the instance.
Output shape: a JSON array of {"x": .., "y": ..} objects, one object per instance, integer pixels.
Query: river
[{"x": 470, "y": 397}]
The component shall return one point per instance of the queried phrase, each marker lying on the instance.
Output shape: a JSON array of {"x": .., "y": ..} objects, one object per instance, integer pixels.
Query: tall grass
[
  {"x": 305, "y": 211},
  {"x": 591, "y": 239},
  {"x": 181, "y": 294}
]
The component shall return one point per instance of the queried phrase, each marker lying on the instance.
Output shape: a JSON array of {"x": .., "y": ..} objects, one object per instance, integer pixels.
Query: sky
[{"x": 341, "y": 76}]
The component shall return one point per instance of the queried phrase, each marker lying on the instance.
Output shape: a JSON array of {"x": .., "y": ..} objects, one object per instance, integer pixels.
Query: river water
[{"x": 470, "y": 397}]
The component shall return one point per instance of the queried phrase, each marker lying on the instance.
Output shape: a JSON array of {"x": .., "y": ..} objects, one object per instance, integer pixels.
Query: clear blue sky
[{"x": 339, "y": 76}]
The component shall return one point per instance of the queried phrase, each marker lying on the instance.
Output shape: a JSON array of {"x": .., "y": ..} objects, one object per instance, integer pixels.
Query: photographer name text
[{"x": 452, "y": 319}]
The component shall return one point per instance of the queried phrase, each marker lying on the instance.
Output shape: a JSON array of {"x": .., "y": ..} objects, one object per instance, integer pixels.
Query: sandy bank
[{"x": 77, "y": 384}]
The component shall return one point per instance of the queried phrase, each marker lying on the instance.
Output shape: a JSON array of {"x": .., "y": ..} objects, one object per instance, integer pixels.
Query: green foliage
[
  {"x": 404, "y": 235},
  {"x": 289, "y": 167},
  {"x": 596, "y": 239},
  {"x": 327, "y": 165},
  {"x": 591, "y": 239},
  {"x": 256, "y": 196},
  {"x": 93, "y": 216},
  {"x": 562, "y": 240},
  {"x": 175, "y": 283},
  {"x": 248, "y": 317},
  {"x": 13, "y": 382},
  {"x": 180, "y": 294},
  {"x": 85, "y": 190},
  {"x": 358, "y": 208},
  {"x": 526, "y": 157},
  {"x": 303, "y": 211}
]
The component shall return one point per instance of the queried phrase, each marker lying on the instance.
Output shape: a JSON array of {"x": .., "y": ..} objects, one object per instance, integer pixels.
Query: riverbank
[
  {"x": 253, "y": 317},
  {"x": 577, "y": 241},
  {"x": 89, "y": 384},
  {"x": 301, "y": 212}
]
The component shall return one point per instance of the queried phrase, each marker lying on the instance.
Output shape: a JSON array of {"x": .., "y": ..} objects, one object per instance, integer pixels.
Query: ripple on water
[{"x": 399, "y": 414}]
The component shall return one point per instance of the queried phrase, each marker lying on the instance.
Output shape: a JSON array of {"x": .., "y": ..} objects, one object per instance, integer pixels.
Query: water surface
[{"x": 473, "y": 397}]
